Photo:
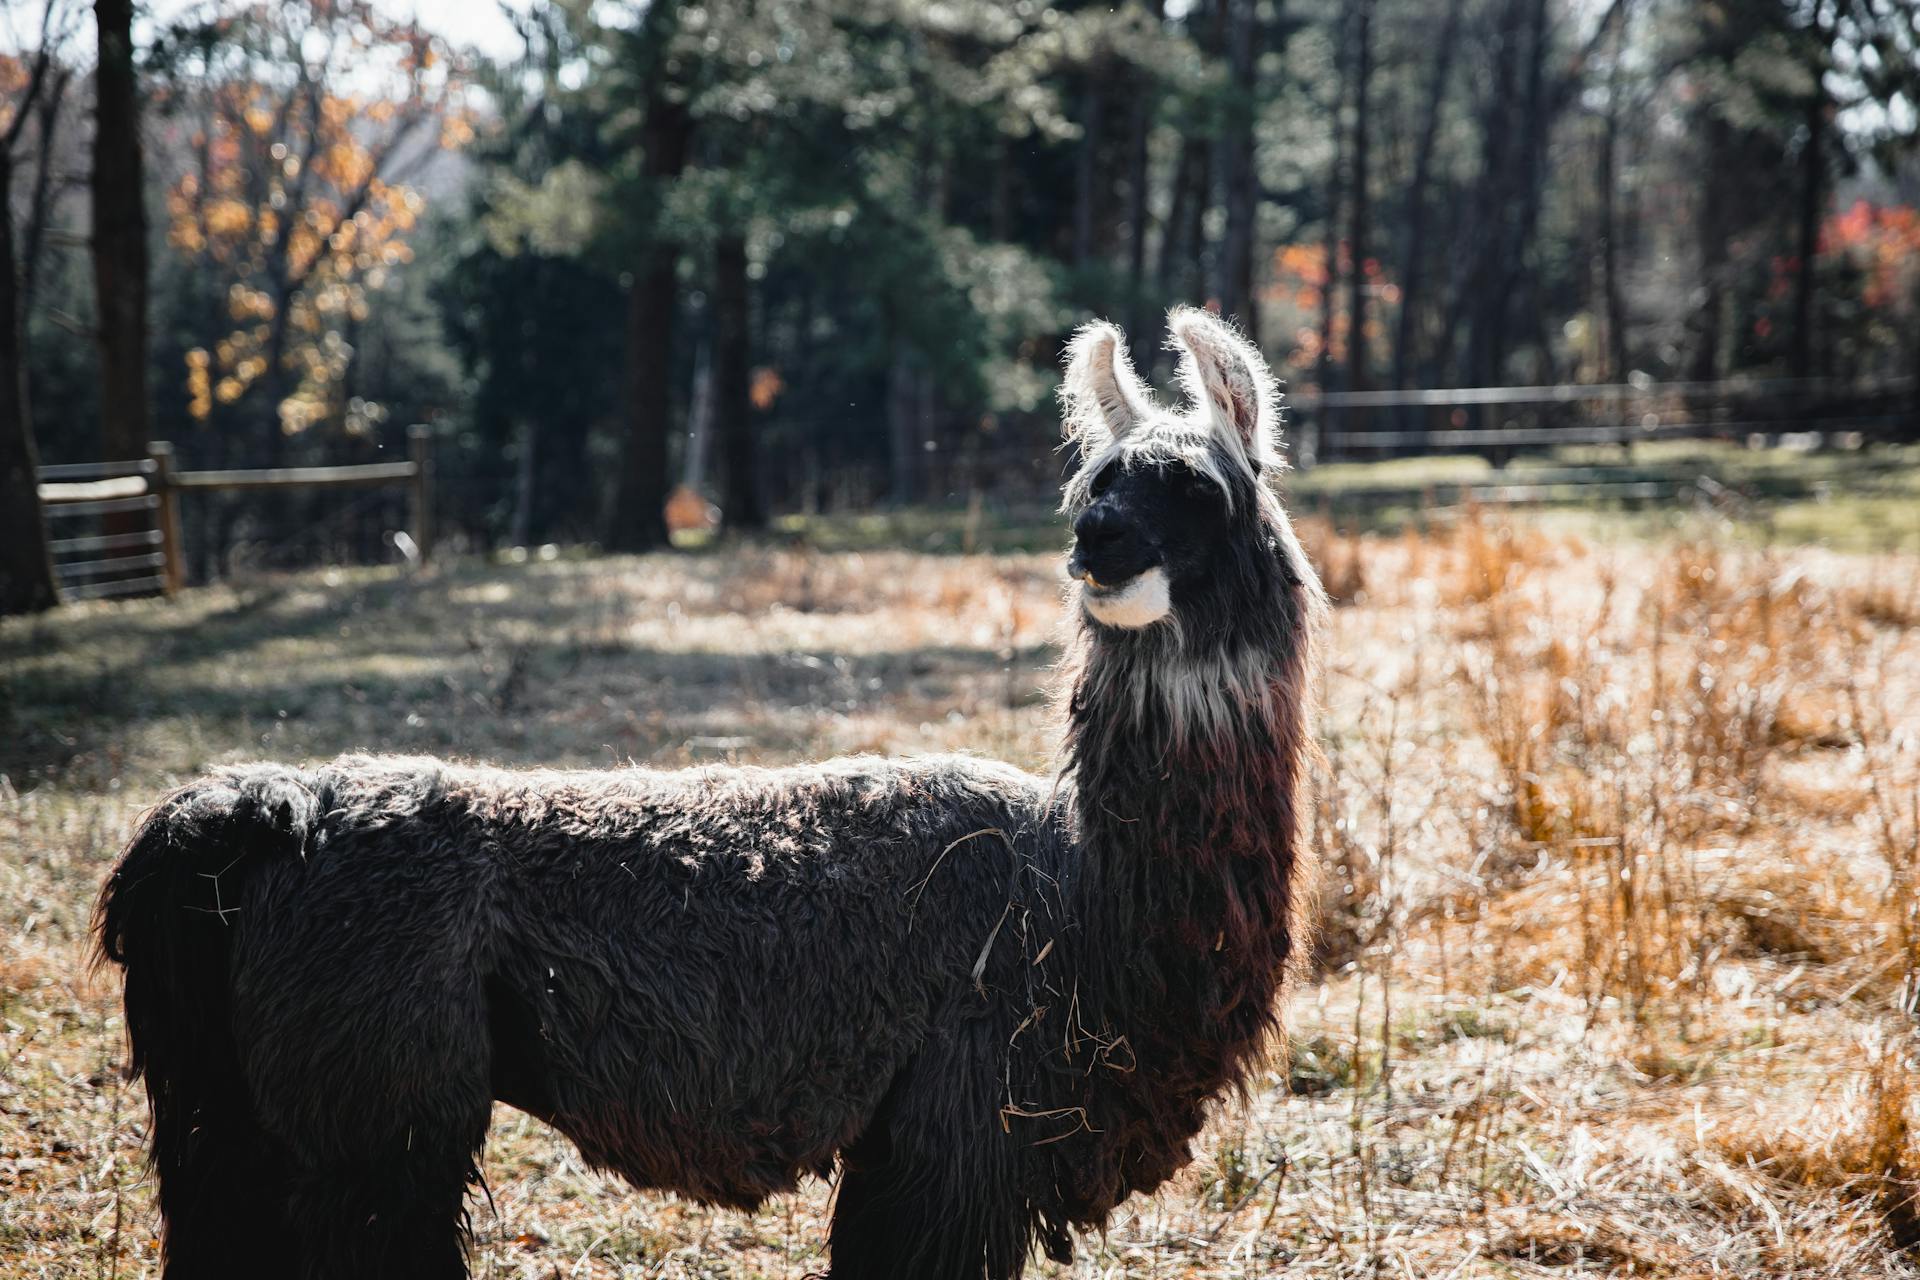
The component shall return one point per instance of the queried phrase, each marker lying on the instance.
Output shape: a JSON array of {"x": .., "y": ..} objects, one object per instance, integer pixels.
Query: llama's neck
[
  {"x": 1185, "y": 775},
  {"x": 1184, "y": 770}
]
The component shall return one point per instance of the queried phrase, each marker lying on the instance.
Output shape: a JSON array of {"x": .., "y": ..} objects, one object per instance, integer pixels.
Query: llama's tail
[{"x": 166, "y": 917}]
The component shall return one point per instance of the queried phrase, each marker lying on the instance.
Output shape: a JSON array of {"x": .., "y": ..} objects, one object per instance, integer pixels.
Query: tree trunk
[
  {"x": 1330, "y": 246},
  {"x": 903, "y": 428},
  {"x": 41, "y": 199},
  {"x": 637, "y": 520},
  {"x": 1087, "y": 167},
  {"x": 1480, "y": 304},
  {"x": 119, "y": 238},
  {"x": 1240, "y": 177},
  {"x": 1522, "y": 279},
  {"x": 26, "y": 571},
  {"x": 526, "y": 473},
  {"x": 1139, "y": 126},
  {"x": 741, "y": 504},
  {"x": 1183, "y": 246},
  {"x": 693, "y": 466},
  {"x": 1413, "y": 252},
  {"x": 1193, "y": 249},
  {"x": 1704, "y": 365},
  {"x": 1000, "y": 210},
  {"x": 1168, "y": 277},
  {"x": 1813, "y": 165},
  {"x": 1358, "y": 204},
  {"x": 1616, "y": 307}
]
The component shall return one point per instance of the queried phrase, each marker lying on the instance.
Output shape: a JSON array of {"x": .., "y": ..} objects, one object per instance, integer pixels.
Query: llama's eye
[
  {"x": 1102, "y": 481},
  {"x": 1193, "y": 485}
]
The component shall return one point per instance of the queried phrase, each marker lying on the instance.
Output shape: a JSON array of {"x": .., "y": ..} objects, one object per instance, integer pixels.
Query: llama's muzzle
[
  {"x": 1137, "y": 600},
  {"x": 1078, "y": 570}
]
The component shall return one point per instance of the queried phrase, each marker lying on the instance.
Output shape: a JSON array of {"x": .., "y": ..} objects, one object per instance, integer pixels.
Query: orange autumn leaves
[
  {"x": 1883, "y": 241},
  {"x": 1296, "y": 288},
  {"x": 290, "y": 213}
]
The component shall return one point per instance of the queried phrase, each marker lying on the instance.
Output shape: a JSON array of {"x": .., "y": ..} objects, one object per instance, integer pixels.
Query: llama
[{"x": 999, "y": 1004}]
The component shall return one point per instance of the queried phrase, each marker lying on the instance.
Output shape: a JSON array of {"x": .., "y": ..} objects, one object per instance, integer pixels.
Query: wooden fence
[{"x": 135, "y": 548}]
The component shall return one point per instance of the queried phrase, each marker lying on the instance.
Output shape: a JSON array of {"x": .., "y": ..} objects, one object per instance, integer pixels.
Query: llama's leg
[
  {"x": 391, "y": 1218},
  {"x": 891, "y": 1221},
  {"x": 383, "y": 1117},
  {"x": 929, "y": 1191},
  {"x": 223, "y": 1190}
]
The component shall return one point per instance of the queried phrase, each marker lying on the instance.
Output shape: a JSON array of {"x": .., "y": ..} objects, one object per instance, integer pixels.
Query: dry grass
[{"x": 1621, "y": 947}]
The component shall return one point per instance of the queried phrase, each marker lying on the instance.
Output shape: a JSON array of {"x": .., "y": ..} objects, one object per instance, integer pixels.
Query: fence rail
[
  {"x": 151, "y": 559},
  {"x": 299, "y": 477},
  {"x": 63, "y": 471},
  {"x": 1721, "y": 392},
  {"x": 1341, "y": 424},
  {"x": 96, "y": 490}
]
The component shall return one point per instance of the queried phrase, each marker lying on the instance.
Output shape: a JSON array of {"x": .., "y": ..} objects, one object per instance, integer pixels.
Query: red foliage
[{"x": 1883, "y": 241}]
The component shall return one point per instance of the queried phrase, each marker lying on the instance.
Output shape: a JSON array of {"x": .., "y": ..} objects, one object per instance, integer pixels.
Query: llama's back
[
  {"x": 728, "y": 968},
  {"x": 708, "y": 978}
]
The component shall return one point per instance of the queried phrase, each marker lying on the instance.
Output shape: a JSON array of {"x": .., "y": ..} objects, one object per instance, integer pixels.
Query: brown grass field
[{"x": 1620, "y": 954}]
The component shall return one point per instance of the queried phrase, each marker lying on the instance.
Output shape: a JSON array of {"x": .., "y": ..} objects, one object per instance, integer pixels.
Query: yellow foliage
[
  {"x": 228, "y": 218},
  {"x": 199, "y": 384},
  {"x": 765, "y": 388},
  {"x": 285, "y": 197}
]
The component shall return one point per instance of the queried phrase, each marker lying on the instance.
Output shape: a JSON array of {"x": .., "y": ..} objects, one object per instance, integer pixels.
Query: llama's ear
[
  {"x": 1227, "y": 380},
  {"x": 1102, "y": 397}
]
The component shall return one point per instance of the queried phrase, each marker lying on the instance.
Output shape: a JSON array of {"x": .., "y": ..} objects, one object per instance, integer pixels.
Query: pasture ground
[
  {"x": 1863, "y": 500},
  {"x": 1621, "y": 846}
]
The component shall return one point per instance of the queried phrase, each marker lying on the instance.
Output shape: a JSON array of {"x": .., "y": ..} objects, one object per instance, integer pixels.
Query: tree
[
  {"x": 1143, "y": 97},
  {"x": 1413, "y": 252},
  {"x": 540, "y": 326},
  {"x": 636, "y": 520},
  {"x": 1855, "y": 52},
  {"x": 1183, "y": 235},
  {"x": 742, "y": 505},
  {"x": 1610, "y": 230},
  {"x": 1241, "y": 179},
  {"x": 780, "y": 99},
  {"x": 1328, "y": 276},
  {"x": 26, "y": 569},
  {"x": 1358, "y": 204},
  {"x": 119, "y": 237},
  {"x": 308, "y": 118},
  {"x": 1746, "y": 90}
]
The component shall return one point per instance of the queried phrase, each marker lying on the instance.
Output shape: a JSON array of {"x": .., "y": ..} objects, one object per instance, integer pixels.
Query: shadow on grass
[{"x": 382, "y": 663}]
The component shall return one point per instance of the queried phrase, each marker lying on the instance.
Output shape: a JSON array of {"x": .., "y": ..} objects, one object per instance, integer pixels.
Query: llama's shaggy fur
[{"x": 999, "y": 1002}]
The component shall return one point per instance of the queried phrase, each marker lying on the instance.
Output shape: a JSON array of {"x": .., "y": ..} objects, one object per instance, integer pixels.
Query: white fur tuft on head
[
  {"x": 1102, "y": 397},
  {"x": 1228, "y": 382}
]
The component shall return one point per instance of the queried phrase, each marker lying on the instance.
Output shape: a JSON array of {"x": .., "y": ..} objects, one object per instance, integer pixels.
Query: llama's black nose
[
  {"x": 1108, "y": 545},
  {"x": 1098, "y": 528}
]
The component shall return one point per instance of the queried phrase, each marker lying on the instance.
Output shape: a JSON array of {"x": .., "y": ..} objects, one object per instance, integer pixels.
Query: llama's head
[{"x": 1173, "y": 522}]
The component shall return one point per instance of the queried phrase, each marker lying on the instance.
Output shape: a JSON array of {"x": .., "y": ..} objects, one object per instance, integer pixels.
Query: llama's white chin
[{"x": 1141, "y": 603}]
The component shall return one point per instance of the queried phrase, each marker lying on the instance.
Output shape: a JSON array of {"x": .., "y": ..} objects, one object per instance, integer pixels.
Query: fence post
[
  {"x": 419, "y": 445},
  {"x": 173, "y": 570}
]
